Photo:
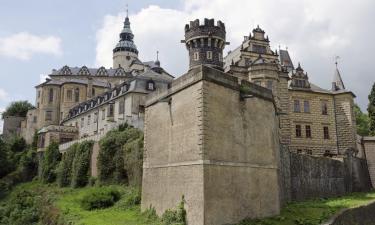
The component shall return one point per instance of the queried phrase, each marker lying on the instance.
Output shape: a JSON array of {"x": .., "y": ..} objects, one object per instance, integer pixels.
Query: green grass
[
  {"x": 66, "y": 202},
  {"x": 313, "y": 212},
  {"x": 119, "y": 214}
]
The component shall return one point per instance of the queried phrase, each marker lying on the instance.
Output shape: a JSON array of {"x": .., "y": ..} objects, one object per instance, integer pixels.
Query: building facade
[{"x": 313, "y": 120}]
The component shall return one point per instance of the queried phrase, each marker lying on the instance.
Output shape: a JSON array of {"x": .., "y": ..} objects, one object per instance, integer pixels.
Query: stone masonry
[{"x": 206, "y": 140}]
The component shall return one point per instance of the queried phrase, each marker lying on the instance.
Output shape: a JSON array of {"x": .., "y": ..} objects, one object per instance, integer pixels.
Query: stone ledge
[{"x": 213, "y": 75}]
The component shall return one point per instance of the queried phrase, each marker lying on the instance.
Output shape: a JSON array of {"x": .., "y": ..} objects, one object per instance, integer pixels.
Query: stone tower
[
  {"x": 206, "y": 140},
  {"x": 205, "y": 43},
  {"x": 125, "y": 51}
]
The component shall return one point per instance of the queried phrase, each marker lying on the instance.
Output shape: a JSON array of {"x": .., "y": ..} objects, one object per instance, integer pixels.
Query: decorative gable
[
  {"x": 101, "y": 72},
  {"x": 65, "y": 71},
  {"x": 84, "y": 71}
]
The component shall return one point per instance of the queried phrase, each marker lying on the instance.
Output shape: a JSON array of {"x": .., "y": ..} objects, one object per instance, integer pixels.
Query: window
[
  {"x": 324, "y": 108},
  {"x": 95, "y": 117},
  {"x": 306, "y": 106},
  {"x": 269, "y": 84},
  {"x": 50, "y": 95},
  {"x": 110, "y": 110},
  {"x": 296, "y": 106},
  {"x": 88, "y": 119},
  {"x": 103, "y": 114},
  {"x": 150, "y": 85},
  {"x": 298, "y": 131},
  {"x": 35, "y": 119},
  {"x": 309, "y": 151},
  {"x": 259, "y": 49},
  {"x": 61, "y": 115},
  {"x": 48, "y": 116},
  {"x": 299, "y": 151},
  {"x": 69, "y": 95},
  {"x": 196, "y": 56},
  {"x": 121, "y": 107},
  {"x": 325, "y": 132},
  {"x": 38, "y": 94},
  {"x": 93, "y": 92},
  {"x": 76, "y": 95},
  {"x": 82, "y": 122},
  {"x": 220, "y": 57},
  {"x": 308, "y": 131},
  {"x": 209, "y": 55}
]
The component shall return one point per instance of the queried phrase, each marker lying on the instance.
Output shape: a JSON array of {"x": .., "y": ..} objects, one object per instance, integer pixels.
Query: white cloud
[
  {"x": 3, "y": 95},
  {"x": 314, "y": 31},
  {"x": 24, "y": 45}
]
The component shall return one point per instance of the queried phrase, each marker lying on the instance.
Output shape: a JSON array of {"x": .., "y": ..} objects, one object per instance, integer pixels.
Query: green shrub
[
  {"x": 175, "y": 217},
  {"x": 129, "y": 199},
  {"x": 100, "y": 198},
  {"x": 64, "y": 171},
  {"x": 134, "y": 161},
  {"x": 50, "y": 162},
  {"x": 81, "y": 164},
  {"x": 111, "y": 166}
]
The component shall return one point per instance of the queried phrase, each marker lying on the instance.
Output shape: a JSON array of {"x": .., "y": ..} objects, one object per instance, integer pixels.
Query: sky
[{"x": 40, "y": 35}]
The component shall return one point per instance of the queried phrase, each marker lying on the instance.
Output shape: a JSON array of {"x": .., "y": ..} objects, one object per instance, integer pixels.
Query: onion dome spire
[{"x": 126, "y": 42}]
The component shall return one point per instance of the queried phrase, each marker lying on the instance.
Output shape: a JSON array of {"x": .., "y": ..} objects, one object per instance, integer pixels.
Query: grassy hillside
[{"x": 36, "y": 203}]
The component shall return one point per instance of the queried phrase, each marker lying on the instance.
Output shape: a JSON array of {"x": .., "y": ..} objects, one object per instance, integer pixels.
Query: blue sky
[{"x": 40, "y": 35}]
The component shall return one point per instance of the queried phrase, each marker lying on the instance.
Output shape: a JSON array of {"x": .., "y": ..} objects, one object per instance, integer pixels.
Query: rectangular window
[
  {"x": 110, "y": 110},
  {"x": 308, "y": 131},
  {"x": 95, "y": 117},
  {"x": 209, "y": 55},
  {"x": 325, "y": 132},
  {"x": 269, "y": 84},
  {"x": 88, "y": 119},
  {"x": 299, "y": 151},
  {"x": 82, "y": 122},
  {"x": 103, "y": 114},
  {"x": 69, "y": 95},
  {"x": 196, "y": 56},
  {"x": 35, "y": 119},
  {"x": 309, "y": 152},
  {"x": 297, "y": 106},
  {"x": 324, "y": 108},
  {"x": 50, "y": 95},
  {"x": 48, "y": 116},
  {"x": 76, "y": 95},
  {"x": 306, "y": 106},
  {"x": 38, "y": 94},
  {"x": 121, "y": 107},
  {"x": 298, "y": 131}
]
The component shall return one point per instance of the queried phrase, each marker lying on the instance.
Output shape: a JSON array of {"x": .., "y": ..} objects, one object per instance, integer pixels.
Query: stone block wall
[
  {"x": 12, "y": 125},
  {"x": 205, "y": 141},
  {"x": 303, "y": 176},
  {"x": 369, "y": 148}
]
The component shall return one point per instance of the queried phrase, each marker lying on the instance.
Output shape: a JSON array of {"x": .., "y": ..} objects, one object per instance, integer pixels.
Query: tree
[
  {"x": 51, "y": 159},
  {"x": 362, "y": 121},
  {"x": 5, "y": 165},
  {"x": 18, "y": 108},
  {"x": 371, "y": 110}
]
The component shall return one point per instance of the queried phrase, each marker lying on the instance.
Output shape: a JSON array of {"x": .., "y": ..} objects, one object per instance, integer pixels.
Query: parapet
[{"x": 195, "y": 29}]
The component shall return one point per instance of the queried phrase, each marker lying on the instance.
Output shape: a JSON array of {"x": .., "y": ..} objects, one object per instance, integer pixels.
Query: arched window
[
  {"x": 76, "y": 95},
  {"x": 50, "y": 95},
  {"x": 93, "y": 92}
]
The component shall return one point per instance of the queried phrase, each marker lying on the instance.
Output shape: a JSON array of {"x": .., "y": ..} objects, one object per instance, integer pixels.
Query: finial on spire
[
  {"x": 127, "y": 10},
  {"x": 157, "y": 55}
]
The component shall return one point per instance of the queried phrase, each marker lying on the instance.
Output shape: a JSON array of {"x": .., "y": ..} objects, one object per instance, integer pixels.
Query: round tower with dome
[{"x": 125, "y": 51}]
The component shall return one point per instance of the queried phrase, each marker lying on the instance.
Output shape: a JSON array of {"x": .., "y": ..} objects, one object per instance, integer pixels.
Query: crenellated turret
[{"x": 205, "y": 43}]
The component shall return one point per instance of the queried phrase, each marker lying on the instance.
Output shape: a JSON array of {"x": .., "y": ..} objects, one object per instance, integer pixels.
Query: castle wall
[
  {"x": 346, "y": 124},
  {"x": 303, "y": 176},
  {"x": 12, "y": 126},
  {"x": 212, "y": 147},
  {"x": 173, "y": 154},
  {"x": 369, "y": 147}
]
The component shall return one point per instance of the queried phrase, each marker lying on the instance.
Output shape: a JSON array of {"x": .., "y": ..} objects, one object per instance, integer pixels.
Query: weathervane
[{"x": 336, "y": 60}]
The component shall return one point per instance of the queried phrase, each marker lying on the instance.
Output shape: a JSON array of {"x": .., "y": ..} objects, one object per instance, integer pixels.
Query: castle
[
  {"x": 313, "y": 120},
  {"x": 214, "y": 133}
]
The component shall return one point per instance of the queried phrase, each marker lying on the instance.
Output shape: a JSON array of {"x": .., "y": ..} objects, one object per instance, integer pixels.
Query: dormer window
[
  {"x": 196, "y": 56},
  {"x": 150, "y": 85}
]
